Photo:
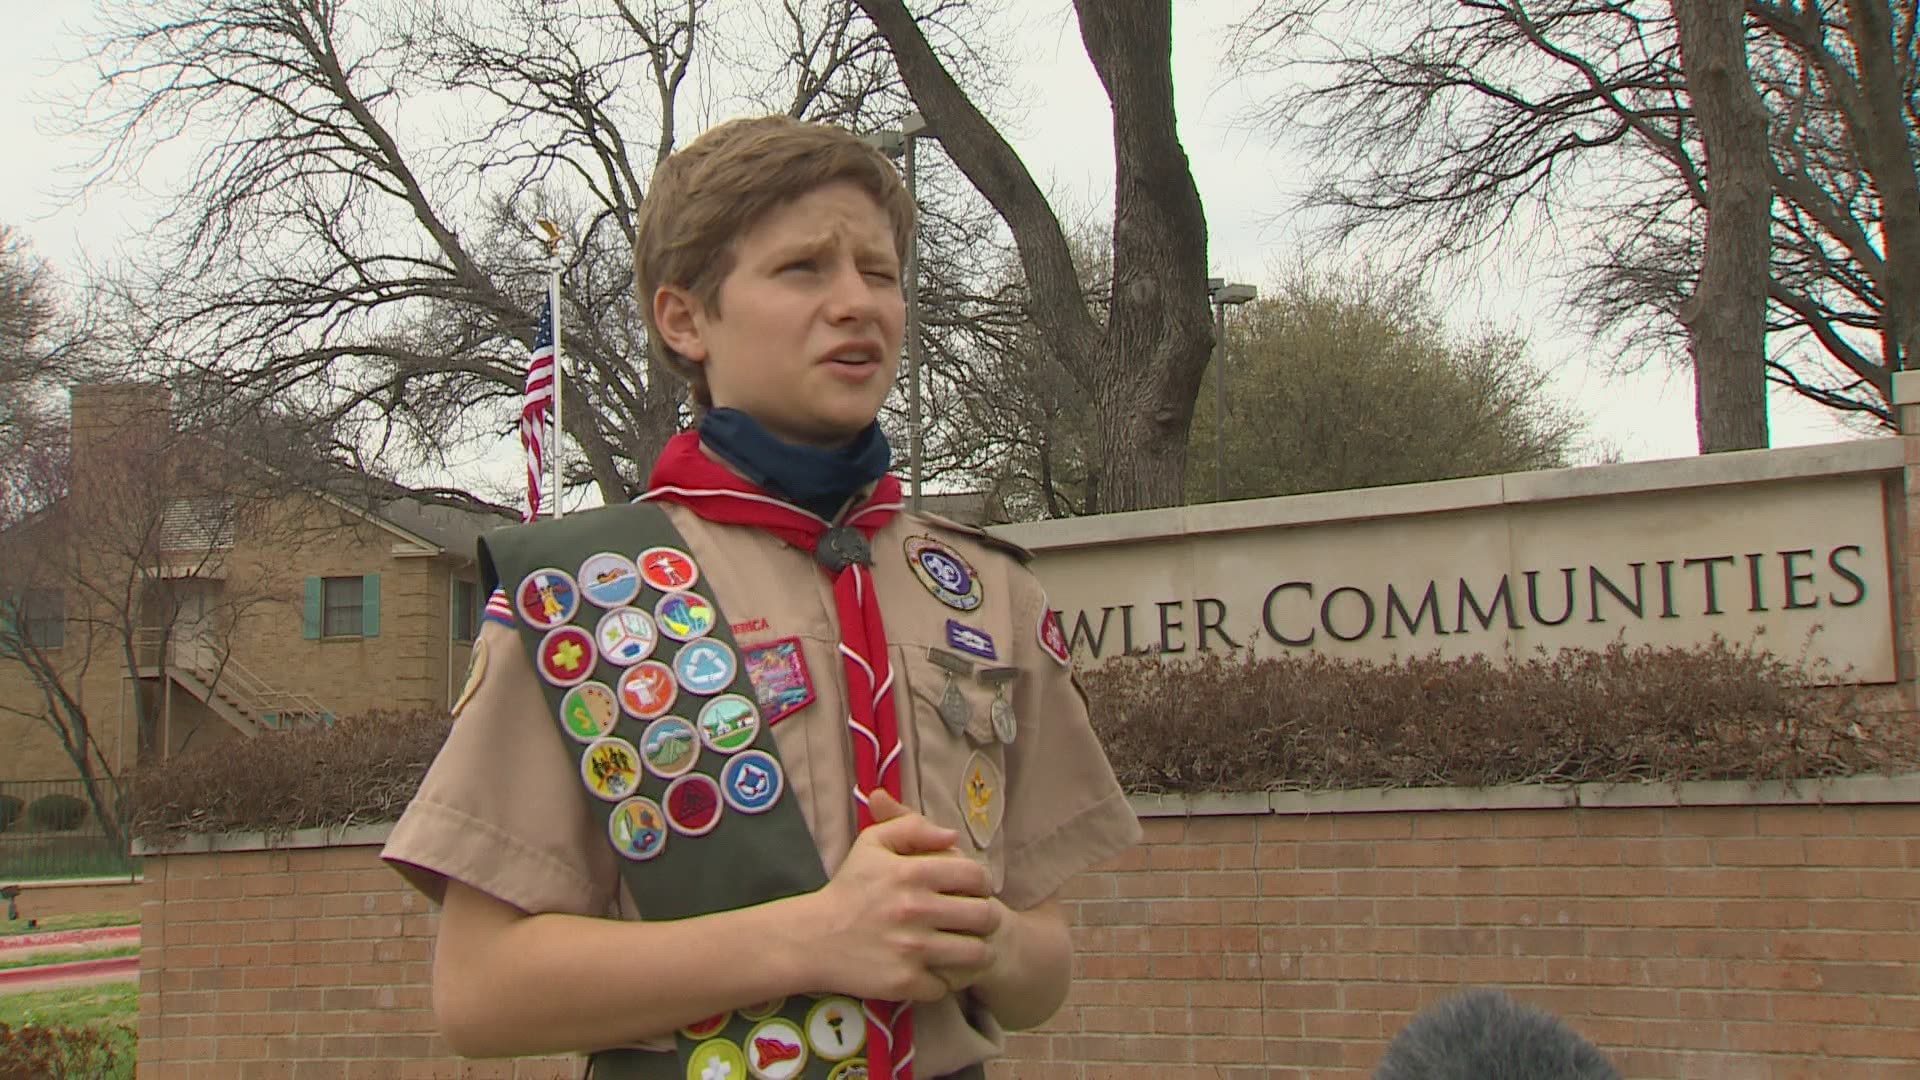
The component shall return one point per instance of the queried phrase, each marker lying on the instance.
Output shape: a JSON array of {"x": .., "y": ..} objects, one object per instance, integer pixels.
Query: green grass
[
  {"x": 68, "y": 956},
  {"x": 73, "y": 1006},
  {"x": 89, "y": 921}
]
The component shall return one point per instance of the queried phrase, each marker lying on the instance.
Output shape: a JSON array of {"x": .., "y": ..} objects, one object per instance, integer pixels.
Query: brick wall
[
  {"x": 1771, "y": 938},
  {"x": 293, "y": 964}
]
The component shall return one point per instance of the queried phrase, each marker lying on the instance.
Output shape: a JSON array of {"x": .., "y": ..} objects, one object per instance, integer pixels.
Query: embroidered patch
[
  {"x": 547, "y": 598},
  {"x": 638, "y": 829},
  {"x": 499, "y": 608},
  {"x": 751, "y": 782},
  {"x": 589, "y": 711},
  {"x": 728, "y": 724},
  {"x": 716, "y": 1059},
  {"x": 626, "y": 636},
  {"x": 476, "y": 670},
  {"x": 776, "y": 1050},
  {"x": 670, "y": 747},
  {"x": 647, "y": 690},
  {"x": 668, "y": 569},
  {"x": 611, "y": 769},
  {"x": 566, "y": 656},
  {"x": 1053, "y": 640},
  {"x": 705, "y": 667},
  {"x": 946, "y": 574},
  {"x": 778, "y": 670},
  {"x": 836, "y": 1028},
  {"x": 684, "y": 616},
  {"x": 970, "y": 640},
  {"x": 982, "y": 802},
  {"x": 609, "y": 579},
  {"x": 708, "y": 1028},
  {"x": 693, "y": 804},
  {"x": 748, "y": 626}
]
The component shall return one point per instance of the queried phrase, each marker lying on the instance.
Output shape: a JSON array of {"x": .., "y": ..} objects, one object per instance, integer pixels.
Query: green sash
[{"x": 746, "y": 859}]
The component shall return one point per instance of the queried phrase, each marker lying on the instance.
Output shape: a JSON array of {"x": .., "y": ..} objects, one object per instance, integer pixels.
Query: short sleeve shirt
[{"x": 502, "y": 808}]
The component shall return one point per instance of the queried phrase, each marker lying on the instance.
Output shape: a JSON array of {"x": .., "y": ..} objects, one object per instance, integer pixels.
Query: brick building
[{"x": 222, "y": 593}]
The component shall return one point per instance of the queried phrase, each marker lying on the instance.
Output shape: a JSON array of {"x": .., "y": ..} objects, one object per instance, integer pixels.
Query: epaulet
[{"x": 980, "y": 534}]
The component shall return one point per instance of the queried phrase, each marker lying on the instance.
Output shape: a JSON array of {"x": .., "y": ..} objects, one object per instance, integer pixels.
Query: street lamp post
[
  {"x": 1220, "y": 294},
  {"x": 899, "y": 142}
]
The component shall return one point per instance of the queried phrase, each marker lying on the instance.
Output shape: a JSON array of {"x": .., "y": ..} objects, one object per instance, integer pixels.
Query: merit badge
[
  {"x": 589, "y": 711},
  {"x": 705, "y": 667},
  {"x": 668, "y": 569},
  {"x": 647, "y": 690},
  {"x": 693, "y": 804},
  {"x": 778, "y": 671},
  {"x": 751, "y": 782},
  {"x": 729, "y": 723},
  {"x": 836, "y": 1028},
  {"x": 611, "y": 768},
  {"x": 547, "y": 598},
  {"x": 476, "y": 670},
  {"x": 763, "y": 1010},
  {"x": 609, "y": 579},
  {"x": 953, "y": 704},
  {"x": 708, "y": 1028},
  {"x": 669, "y": 746},
  {"x": 716, "y": 1059},
  {"x": 776, "y": 1050},
  {"x": 1005, "y": 726},
  {"x": 1053, "y": 640},
  {"x": 968, "y": 640},
  {"x": 849, "y": 1070},
  {"x": 626, "y": 636},
  {"x": 638, "y": 829},
  {"x": 982, "y": 802},
  {"x": 566, "y": 656},
  {"x": 684, "y": 616},
  {"x": 950, "y": 578}
]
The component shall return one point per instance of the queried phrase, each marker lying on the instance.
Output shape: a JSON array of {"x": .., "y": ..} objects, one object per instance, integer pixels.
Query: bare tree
[
  {"x": 351, "y": 243},
  {"x": 1141, "y": 365},
  {"x": 1451, "y": 128}
]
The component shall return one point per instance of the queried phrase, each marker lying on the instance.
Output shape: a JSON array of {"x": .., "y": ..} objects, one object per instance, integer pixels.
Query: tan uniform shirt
[{"x": 504, "y": 811}]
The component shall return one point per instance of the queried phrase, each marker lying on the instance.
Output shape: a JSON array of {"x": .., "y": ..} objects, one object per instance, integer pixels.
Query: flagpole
[{"x": 559, "y": 366}]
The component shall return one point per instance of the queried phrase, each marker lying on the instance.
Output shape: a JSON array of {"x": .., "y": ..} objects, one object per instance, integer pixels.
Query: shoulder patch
[{"x": 974, "y": 532}]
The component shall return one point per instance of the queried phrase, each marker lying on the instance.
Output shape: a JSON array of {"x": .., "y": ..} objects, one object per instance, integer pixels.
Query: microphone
[{"x": 1486, "y": 1035}]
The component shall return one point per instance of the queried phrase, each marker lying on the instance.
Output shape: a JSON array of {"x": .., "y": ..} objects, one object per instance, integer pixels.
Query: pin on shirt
[
  {"x": 1005, "y": 724},
  {"x": 953, "y": 704}
]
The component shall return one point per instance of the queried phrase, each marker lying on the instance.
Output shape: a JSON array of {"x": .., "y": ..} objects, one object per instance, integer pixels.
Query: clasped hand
[{"x": 907, "y": 917}]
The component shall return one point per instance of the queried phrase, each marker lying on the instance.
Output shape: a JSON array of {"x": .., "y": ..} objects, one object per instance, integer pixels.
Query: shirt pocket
[{"x": 960, "y": 774}]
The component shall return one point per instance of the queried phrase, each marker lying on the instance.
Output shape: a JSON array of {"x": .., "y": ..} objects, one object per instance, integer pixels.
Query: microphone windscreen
[{"x": 1486, "y": 1035}]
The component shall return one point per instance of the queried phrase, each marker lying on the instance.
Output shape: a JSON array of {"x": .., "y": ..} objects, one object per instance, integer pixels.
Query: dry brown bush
[{"x": 1622, "y": 714}]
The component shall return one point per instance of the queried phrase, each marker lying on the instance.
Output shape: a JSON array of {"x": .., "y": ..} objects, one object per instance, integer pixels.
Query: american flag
[{"x": 536, "y": 409}]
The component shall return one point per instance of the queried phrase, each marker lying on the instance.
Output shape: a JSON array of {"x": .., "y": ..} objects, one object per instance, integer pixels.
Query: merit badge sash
[{"x": 647, "y": 685}]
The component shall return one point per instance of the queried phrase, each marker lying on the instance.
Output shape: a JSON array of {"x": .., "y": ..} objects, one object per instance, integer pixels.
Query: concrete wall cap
[{"x": 1852, "y": 458}]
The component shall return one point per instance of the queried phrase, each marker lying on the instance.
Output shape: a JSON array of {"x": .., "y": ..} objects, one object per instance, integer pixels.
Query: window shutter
[
  {"x": 310, "y": 625},
  {"x": 370, "y": 605}
]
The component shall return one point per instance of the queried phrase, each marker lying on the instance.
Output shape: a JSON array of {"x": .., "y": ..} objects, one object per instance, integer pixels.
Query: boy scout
[{"x": 762, "y": 775}]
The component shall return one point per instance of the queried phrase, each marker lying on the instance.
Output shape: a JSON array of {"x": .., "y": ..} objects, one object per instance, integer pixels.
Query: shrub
[
  {"x": 361, "y": 769},
  {"x": 10, "y": 808},
  {"x": 58, "y": 812},
  {"x": 1615, "y": 715},
  {"x": 33, "y": 1052},
  {"x": 1622, "y": 714}
]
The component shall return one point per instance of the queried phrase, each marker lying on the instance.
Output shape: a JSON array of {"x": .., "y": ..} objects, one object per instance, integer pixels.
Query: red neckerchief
[{"x": 685, "y": 475}]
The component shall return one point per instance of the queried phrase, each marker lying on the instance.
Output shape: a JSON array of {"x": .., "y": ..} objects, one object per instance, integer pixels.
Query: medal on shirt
[
  {"x": 1005, "y": 725},
  {"x": 953, "y": 704}
]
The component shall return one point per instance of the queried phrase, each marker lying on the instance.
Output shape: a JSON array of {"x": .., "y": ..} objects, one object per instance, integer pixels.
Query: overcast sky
[{"x": 1246, "y": 183}]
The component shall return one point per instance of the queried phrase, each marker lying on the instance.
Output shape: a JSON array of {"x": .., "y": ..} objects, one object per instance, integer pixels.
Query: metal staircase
[{"x": 235, "y": 694}]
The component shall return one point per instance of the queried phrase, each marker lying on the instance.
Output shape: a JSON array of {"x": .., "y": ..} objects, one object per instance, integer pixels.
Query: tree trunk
[
  {"x": 1144, "y": 368},
  {"x": 1726, "y": 316}
]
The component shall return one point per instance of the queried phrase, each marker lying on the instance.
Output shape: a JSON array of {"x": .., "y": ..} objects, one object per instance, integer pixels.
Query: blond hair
[{"x": 707, "y": 195}]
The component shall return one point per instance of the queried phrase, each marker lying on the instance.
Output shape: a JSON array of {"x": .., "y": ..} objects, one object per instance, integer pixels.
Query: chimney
[{"x": 116, "y": 427}]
